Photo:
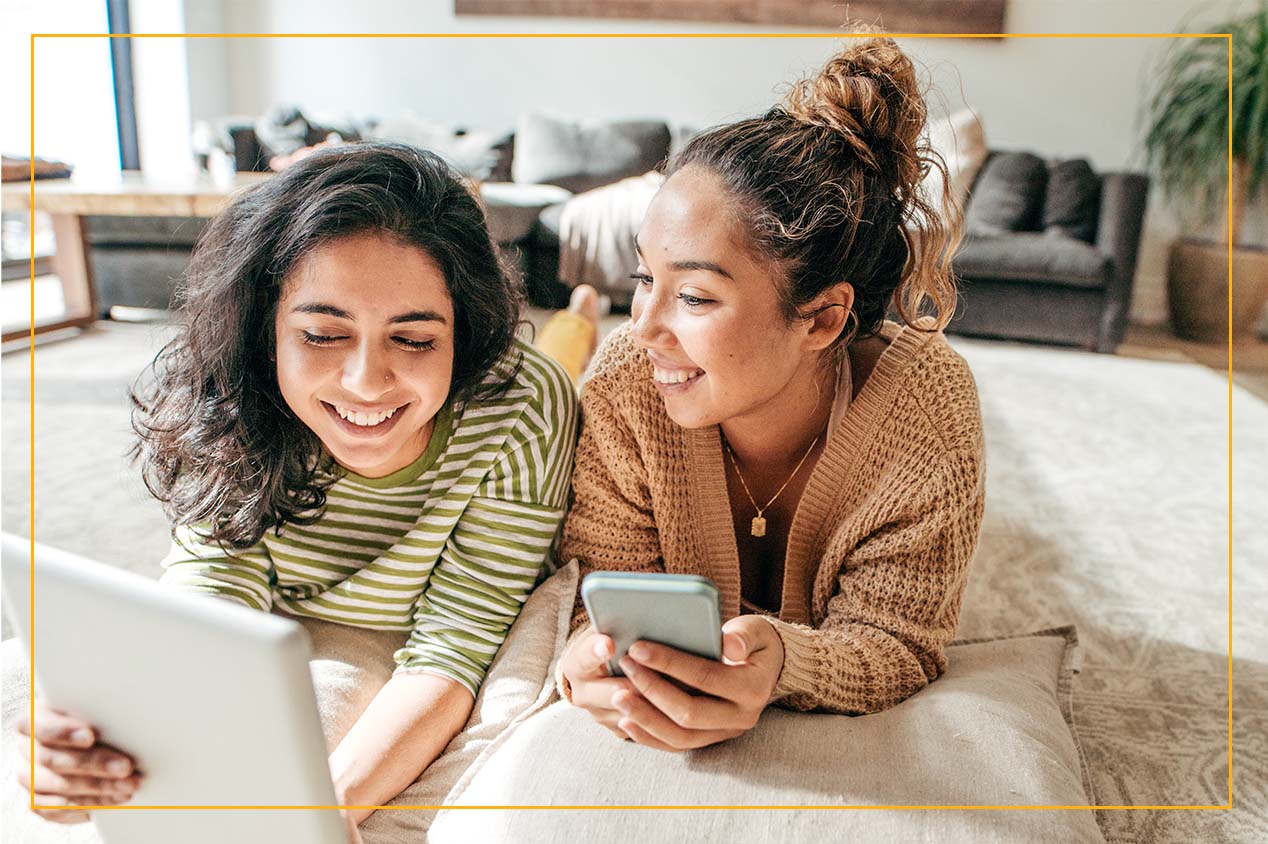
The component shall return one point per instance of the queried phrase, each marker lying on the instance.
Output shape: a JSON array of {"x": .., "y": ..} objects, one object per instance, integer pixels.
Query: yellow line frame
[{"x": 1228, "y": 38}]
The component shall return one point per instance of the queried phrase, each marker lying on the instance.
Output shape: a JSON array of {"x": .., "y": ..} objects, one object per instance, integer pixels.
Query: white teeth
[
  {"x": 365, "y": 420},
  {"x": 675, "y": 376}
]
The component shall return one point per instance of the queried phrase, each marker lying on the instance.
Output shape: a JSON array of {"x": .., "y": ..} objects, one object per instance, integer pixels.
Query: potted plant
[{"x": 1187, "y": 146}]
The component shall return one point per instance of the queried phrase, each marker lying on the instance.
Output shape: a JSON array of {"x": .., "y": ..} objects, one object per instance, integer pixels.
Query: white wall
[
  {"x": 1057, "y": 97},
  {"x": 74, "y": 96},
  {"x": 161, "y": 88},
  {"x": 209, "y": 95}
]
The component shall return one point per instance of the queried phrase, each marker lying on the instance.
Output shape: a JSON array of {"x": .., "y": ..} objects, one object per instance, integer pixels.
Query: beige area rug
[
  {"x": 1107, "y": 506},
  {"x": 1107, "y": 497}
]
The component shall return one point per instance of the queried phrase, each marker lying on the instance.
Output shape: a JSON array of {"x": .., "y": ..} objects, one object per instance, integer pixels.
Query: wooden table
[{"x": 132, "y": 194}]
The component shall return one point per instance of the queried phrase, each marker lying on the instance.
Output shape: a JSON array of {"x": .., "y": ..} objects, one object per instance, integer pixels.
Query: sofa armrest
[{"x": 1118, "y": 231}]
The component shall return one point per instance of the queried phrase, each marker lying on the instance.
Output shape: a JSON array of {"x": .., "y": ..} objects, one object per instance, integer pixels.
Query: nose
[
  {"x": 647, "y": 318},
  {"x": 367, "y": 372}
]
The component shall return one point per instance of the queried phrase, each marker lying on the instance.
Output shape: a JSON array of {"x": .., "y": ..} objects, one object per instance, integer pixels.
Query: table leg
[{"x": 70, "y": 262}]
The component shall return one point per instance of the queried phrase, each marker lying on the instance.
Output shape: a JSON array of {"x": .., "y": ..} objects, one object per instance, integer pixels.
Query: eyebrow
[
  {"x": 688, "y": 266},
  {"x": 340, "y": 313}
]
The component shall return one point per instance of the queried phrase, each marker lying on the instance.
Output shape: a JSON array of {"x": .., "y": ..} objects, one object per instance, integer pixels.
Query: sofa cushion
[
  {"x": 512, "y": 209},
  {"x": 1072, "y": 200},
  {"x": 1007, "y": 195},
  {"x": 472, "y": 152},
  {"x": 995, "y": 729},
  {"x": 1048, "y": 257},
  {"x": 580, "y": 155},
  {"x": 961, "y": 142}
]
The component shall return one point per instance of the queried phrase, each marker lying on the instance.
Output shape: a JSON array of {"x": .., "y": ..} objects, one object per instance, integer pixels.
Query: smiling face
[
  {"x": 707, "y": 312},
  {"x": 365, "y": 349}
]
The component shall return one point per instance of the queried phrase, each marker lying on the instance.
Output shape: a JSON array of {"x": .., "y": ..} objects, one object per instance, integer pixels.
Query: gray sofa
[{"x": 1049, "y": 252}]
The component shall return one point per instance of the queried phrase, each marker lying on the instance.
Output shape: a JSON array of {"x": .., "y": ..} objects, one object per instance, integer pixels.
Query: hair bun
[{"x": 868, "y": 93}]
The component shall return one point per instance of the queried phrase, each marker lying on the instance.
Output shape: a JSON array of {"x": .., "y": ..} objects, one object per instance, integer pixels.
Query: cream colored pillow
[
  {"x": 993, "y": 730},
  {"x": 961, "y": 141},
  {"x": 520, "y": 683}
]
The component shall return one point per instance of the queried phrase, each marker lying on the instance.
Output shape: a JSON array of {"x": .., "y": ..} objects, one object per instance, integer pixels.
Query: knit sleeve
[
  {"x": 610, "y": 526},
  {"x": 897, "y": 601}
]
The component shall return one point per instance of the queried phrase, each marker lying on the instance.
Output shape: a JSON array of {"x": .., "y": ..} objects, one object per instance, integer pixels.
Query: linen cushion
[
  {"x": 475, "y": 153},
  {"x": 1072, "y": 200},
  {"x": 1034, "y": 256},
  {"x": 995, "y": 729},
  {"x": 1008, "y": 195},
  {"x": 580, "y": 155},
  {"x": 961, "y": 141},
  {"x": 520, "y": 682}
]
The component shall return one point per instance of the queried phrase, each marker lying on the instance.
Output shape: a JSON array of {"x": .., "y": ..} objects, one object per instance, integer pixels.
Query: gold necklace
[{"x": 758, "y": 527}]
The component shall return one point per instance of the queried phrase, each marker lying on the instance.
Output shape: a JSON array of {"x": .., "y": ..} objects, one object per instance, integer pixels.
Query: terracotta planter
[{"x": 1197, "y": 290}]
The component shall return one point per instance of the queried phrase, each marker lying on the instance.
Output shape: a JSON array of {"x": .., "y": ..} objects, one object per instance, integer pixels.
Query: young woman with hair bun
[{"x": 761, "y": 422}]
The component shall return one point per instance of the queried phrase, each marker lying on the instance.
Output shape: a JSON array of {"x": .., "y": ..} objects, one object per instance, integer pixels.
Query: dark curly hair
[{"x": 219, "y": 446}]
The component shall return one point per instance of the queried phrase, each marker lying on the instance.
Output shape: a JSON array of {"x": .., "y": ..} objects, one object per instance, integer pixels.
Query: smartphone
[{"x": 678, "y": 610}]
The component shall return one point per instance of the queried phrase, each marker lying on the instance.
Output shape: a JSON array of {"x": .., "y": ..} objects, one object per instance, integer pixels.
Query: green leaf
[{"x": 1187, "y": 115}]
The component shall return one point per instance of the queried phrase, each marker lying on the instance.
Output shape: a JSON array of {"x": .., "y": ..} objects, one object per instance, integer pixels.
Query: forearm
[
  {"x": 407, "y": 725},
  {"x": 856, "y": 670},
  {"x": 194, "y": 565}
]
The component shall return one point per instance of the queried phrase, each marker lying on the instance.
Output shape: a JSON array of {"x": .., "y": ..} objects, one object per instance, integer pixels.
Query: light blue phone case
[{"x": 679, "y": 610}]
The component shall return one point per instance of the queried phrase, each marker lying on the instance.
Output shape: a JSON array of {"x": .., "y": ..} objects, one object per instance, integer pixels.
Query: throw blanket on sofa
[{"x": 596, "y": 235}]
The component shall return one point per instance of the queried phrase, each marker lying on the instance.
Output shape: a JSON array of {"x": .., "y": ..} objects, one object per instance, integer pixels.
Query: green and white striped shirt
[{"x": 447, "y": 548}]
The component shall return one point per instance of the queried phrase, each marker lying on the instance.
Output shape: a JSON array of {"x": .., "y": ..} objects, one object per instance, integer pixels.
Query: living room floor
[
  {"x": 1110, "y": 506},
  {"x": 1250, "y": 358}
]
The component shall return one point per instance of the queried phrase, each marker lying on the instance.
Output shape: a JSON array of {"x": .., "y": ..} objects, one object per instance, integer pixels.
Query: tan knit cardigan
[{"x": 879, "y": 548}]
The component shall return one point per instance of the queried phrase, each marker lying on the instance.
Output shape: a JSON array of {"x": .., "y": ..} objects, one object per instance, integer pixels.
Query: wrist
[
  {"x": 341, "y": 778},
  {"x": 775, "y": 644}
]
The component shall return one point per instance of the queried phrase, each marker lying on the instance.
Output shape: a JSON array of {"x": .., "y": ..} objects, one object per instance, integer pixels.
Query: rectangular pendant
[{"x": 759, "y": 526}]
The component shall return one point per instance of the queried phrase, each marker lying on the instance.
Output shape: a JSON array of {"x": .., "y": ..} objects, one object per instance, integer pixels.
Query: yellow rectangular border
[{"x": 1228, "y": 38}]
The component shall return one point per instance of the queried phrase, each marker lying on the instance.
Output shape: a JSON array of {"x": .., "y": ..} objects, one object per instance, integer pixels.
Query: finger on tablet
[
  {"x": 88, "y": 790},
  {"x": 57, "y": 729},
  {"x": 99, "y": 761}
]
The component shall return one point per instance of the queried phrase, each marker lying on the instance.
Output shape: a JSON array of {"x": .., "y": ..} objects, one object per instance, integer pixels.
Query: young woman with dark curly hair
[
  {"x": 346, "y": 429},
  {"x": 760, "y": 422}
]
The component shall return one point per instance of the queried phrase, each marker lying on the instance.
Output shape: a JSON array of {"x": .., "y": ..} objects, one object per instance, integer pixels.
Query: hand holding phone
[
  {"x": 672, "y": 699},
  {"x": 678, "y": 610}
]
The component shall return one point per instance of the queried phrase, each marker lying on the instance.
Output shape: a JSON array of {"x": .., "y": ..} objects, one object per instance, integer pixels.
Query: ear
[{"x": 831, "y": 311}]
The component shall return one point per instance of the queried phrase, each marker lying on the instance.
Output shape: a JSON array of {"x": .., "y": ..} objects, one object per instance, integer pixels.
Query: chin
[{"x": 689, "y": 417}]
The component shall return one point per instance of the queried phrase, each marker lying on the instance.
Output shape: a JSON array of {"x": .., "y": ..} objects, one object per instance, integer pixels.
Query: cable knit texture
[{"x": 879, "y": 548}]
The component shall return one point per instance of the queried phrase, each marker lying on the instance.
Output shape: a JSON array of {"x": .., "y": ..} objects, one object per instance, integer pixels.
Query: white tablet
[{"x": 213, "y": 700}]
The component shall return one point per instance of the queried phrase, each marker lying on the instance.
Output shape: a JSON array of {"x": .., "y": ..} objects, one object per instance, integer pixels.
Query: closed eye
[
  {"x": 416, "y": 345},
  {"x": 321, "y": 339}
]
